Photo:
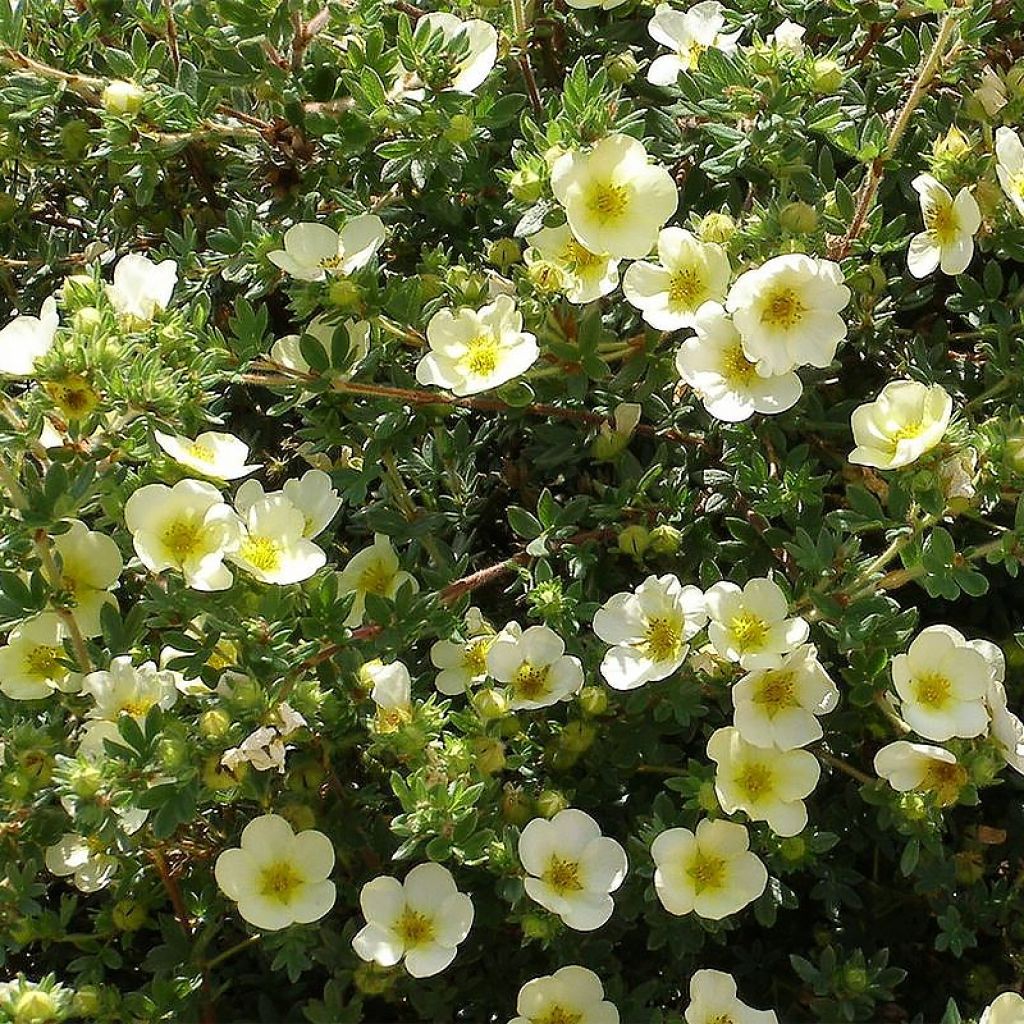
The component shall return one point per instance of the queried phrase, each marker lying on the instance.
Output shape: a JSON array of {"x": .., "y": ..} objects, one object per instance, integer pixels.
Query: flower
[
  {"x": 1005, "y": 728},
  {"x": 31, "y": 661},
  {"x": 463, "y": 664},
  {"x": 422, "y": 919},
  {"x": 787, "y": 312},
  {"x": 572, "y": 995},
  {"x": 789, "y": 36},
  {"x": 476, "y": 350},
  {"x": 585, "y": 5},
  {"x": 750, "y": 625},
  {"x": 482, "y": 41},
  {"x": 713, "y": 1000},
  {"x": 648, "y": 630},
  {"x": 28, "y": 338},
  {"x": 778, "y": 706},
  {"x": 90, "y": 564},
  {"x": 263, "y": 748},
  {"x": 688, "y": 273},
  {"x": 711, "y": 872},
  {"x": 273, "y": 546},
  {"x": 288, "y": 350},
  {"x": 392, "y": 686},
  {"x": 906, "y": 420},
  {"x": 616, "y": 201},
  {"x": 126, "y": 689},
  {"x": 769, "y": 784},
  {"x": 313, "y": 252},
  {"x": 1010, "y": 166},
  {"x": 687, "y": 34},
  {"x": 714, "y": 364},
  {"x": 571, "y": 868},
  {"x": 278, "y": 877},
  {"x": 907, "y": 766},
  {"x": 942, "y": 682},
  {"x": 947, "y": 241},
  {"x": 535, "y": 666},
  {"x": 83, "y": 858},
  {"x": 216, "y": 455},
  {"x": 374, "y": 570},
  {"x": 187, "y": 527},
  {"x": 1007, "y": 1008},
  {"x": 141, "y": 288},
  {"x": 585, "y": 275},
  {"x": 313, "y": 494}
]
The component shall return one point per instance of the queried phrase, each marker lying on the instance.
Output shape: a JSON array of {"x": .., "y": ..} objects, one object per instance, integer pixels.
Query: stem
[
  {"x": 843, "y": 766},
  {"x": 894, "y": 719},
  {"x": 521, "y": 24},
  {"x": 231, "y": 951}
]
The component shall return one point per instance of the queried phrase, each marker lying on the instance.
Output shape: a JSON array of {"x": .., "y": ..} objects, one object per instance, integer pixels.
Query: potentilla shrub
[{"x": 511, "y": 511}]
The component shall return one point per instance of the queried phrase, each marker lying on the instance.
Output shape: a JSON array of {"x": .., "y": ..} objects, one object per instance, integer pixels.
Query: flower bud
[
  {"x": 550, "y": 802},
  {"x": 664, "y": 540},
  {"x": 577, "y": 737},
  {"x": 855, "y": 979},
  {"x": 123, "y": 98},
  {"x": 552, "y": 154},
  {"x": 716, "y": 227},
  {"x": 344, "y": 294},
  {"x": 85, "y": 780},
  {"x": 826, "y": 76},
  {"x": 540, "y": 926},
  {"x": 504, "y": 252},
  {"x": 37, "y": 1006},
  {"x": 621, "y": 67},
  {"x": 460, "y": 129},
  {"x": 373, "y": 980},
  {"x": 798, "y": 218},
  {"x": 214, "y": 724},
  {"x": 489, "y": 754},
  {"x": 217, "y": 777},
  {"x": 490, "y": 704},
  {"x": 969, "y": 866},
  {"x": 74, "y": 139},
  {"x": 707, "y": 798},
  {"x": 525, "y": 185},
  {"x": 633, "y": 540},
  {"x": 299, "y": 816},
  {"x": 593, "y": 700},
  {"x": 515, "y": 805},
  {"x": 793, "y": 849},
  {"x": 546, "y": 277},
  {"x": 129, "y": 915},
  {"x": 87, "y": 1002}
]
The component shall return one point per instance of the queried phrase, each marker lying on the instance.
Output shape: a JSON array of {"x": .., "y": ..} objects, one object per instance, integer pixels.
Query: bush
[{"x": 514, "y": 509}]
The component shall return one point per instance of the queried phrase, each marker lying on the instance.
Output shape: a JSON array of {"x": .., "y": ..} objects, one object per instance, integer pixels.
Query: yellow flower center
[
  {"x": 706, "y": 872},
  {"x": 686, "y": 289},
  {"x": 608, "y": 202},
  {"x": 749, "y": 631},
  {"x": 941, "y": 221},
  {"x": 530, "y": 681},
  {"x": 415, "y": 929},
  {"x": 559, "y": 1014},
  {"x": 933, "y": 690},
  {"x": 330, "y": 262},
  {"x": 481, "y": 358},
  {"x": 663, "y": 639},
  {"x": 182, "y": 537},
  {"x": 563, "y": 876},
  {"x": 376, "y": 579},
  {"x": 580, "y": 259},
  {"x": 137, "y": 708},
  {"x": 782, "y": 308},
  {"x": 279, "y": 881},
  {"x": 755, "y": 780},
  {"x": 909, "y": 431},
  {"x": 263, "y": 553},
  {"x": 474, "y": 656},
  {"x": 41, "y": 662},
  {"x": 737, "y": 369},
  {"x": 722, "y": 1018},
  {"x": 944, "y": 780},
  {"x": 201, "y": 452},
  {"x": 776, "y": 692},
  {"x": 74, "y": 396},
  {"x": 691, "y": 54}
]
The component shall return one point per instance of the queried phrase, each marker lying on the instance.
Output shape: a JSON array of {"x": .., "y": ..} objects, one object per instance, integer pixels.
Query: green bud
[
  {"x": 716, "y": 227},
  {"x": 798, "y": 218},
  {"x": 665, "y": 540},
  {"x": 577, "y": 737},
  {"x": 622, "y": 67},
  {"x": 489, "y": 754},
  {"x": 793, "y": 849},
  {"x": 869, "y": 279},
  {"x": 707, "y": 798},
  {"x": 299, "y": 816},
  {"x": 123, "y": 98},
  {"x": 345, "y": 294},
  {"x": 593, "y": 700},
  {"x": 373, "y": 980},
  {"x": 856, "y": 979},
  {"x": 37, "y": 1006},
  {"x": 79, "y": 291},
  {"x": 547, "y": 277},
  {"x": 525, "y": 186},
  {"x": 129, "y": 915},
  {"x": 490, "y": 704},
  {"x": 431, "y": 286},
  {"x": 87, "y": 1002},
  {"x": 826, "y": 76},
  {"x": 214, "y": 724},
  {"x": 515, "y": 805},
  {"x": 74, "y": 139},
  {"x": 550, "y": 802},
  {"x": 633, "y": 540},
  {"x": 174, "y": 752},
  {"x": 85, "y": 780},
  {"x": 504, "y": 253},
  {"x": 540, "y": 926},
  {"x": 460, "y": 129}
]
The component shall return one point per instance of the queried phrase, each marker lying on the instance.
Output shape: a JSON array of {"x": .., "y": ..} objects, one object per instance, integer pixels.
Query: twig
[
  {"x": 522, "y": 30},
  {"x": 172, "y": 37},
  {"x": 843, "y": 766}
]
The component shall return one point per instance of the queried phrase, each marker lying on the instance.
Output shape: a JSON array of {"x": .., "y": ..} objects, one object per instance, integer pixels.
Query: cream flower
[
  {"x": 586, "y": 5},
  {"x": 750, "y": 625},
  {"x": 482, "y": 40},
  {"x": 714, "y": 364},
  {"x": 950, "y": 224},
  {"x": 711, "y": 872},
  {"x": 273, "y": 546},
  {"x": 216, "y": 455},
  {"x": 126, "y": 689},
  {"x": 263, "y": 748},
  {"x": 31, "y": 661},
  {"x": 1007, "y": 1008},
  {"x": 141, "y": 288},
  {"x": 571, "y": 868},
  {"x": 942, "y": 682},
  {"x": 392, "y": 685},
  {"x": 649, "y": 630},
  {"x": 615, "y": 199},
  {"x": 28, "y": 338},
  {"x": 688, "y": 273},
  {"x": 713, "y": 1000},
  {"x": 787, "y": 312},
  {"x": 769, "y": 784},
  {"x": 1010, "y": 166},
  {"x": 1005, "y": 728},
  {"x": 687, "y": 34},
  {"x": 789, "y": 37},
  {"x": 374, "y": 570},
  {"x": 422, "y": 919},
  {"x": 572, "y": 995},
  {"x": 83, "y": 858},
  {"x": 313, "y": 494},
  {"x": 90, "y": 564},
  {"x": 187, "y": 527},
  {"x": 278, "y": 877},
  {"x": 907, "y": 766},
  {"x": 906, "y": 420},
  {"x": 476, "y": 350},
  {"x": 534, "y": 665},
  {"x": 463, "y": 664},
  {"x": 779, "y": 706},
  {"x": 313, "y": 252},
  {"x": 288, "y": 350},
  {"x": 586, "y": 275}
]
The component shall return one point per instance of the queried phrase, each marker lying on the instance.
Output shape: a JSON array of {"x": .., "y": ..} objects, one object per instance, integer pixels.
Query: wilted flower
[
  {"x": 789, "y": 37},
  {"x": 584, "y": 275},
  {"x": 482, "y": 39},
  {"x": 84, "y": 858},
  {"x": 909, "y": 766}
]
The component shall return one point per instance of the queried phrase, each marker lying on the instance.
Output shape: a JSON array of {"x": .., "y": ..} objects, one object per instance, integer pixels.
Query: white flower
[
  {"x": 187, "y": 527},
  {"x": 314, "y": 251},
  {"x": 476, "y": 350},
  {"x": 374, "y": 570},
  {"x": 907, "y": 766},
  {"x": 463, "y": 664},
  {"x": 572, "y": 995},
  {"x": 906, "y": 420},
  {"x": 141, "y": 288},
  {"x": 90, "y": 563},
  {"x": 422, "y": 919},
  {"x": 615, "y": 199},
  {"x": 711, "y": 872},
  {"x": 571, "y": 868},
  {"x": 216, "y": 455},
  {"x": 713, "y": 1000},
  {"x": 482, "y": 40},
  {"x": 649, "y": 630},
  {"x": 1005, "y": 728},
  {"x": 778, "y": 706},
  {"x": 83, "y": 858},
  {"x": 787, "y": 312},
  {"x": 789, "y": 37},
  {"x": 586, "y": 275},
  {"x": 714, "y": 364},
  {"x": 950, "y": 224},
  {"x": 125, "y": 689},
  {"x": 586, "y": 5},
  {"x": 769, "y": 784},
  {"x": 263, "y": 748},
  {"x": 750, "y": 625},
  {"x": 28, "y": 338},
  {"x": 392, "y": 686},
  {"x": 288, "y": 350},
  {"x": 688, "y": 273},
  {"x": 30, "y": 661},
  {"x": 312, "y": 494},
  {"x": 991, "y": 92},
  {"x": 687, "y": 34},
  {"x": 942, "y": 682},
  {"x": 1007, "y": 1008},
  {"x": 278, "y": 877},
  {"x": 535, "y": 666},
  {"x": 273, "y": 546},
  {"x": 1010, "y": 166}
]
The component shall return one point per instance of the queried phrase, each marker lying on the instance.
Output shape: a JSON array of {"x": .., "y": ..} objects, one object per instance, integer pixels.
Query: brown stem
[
  {"x": 172, "y": 36},
  {"x": 843, "y": 766}
]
